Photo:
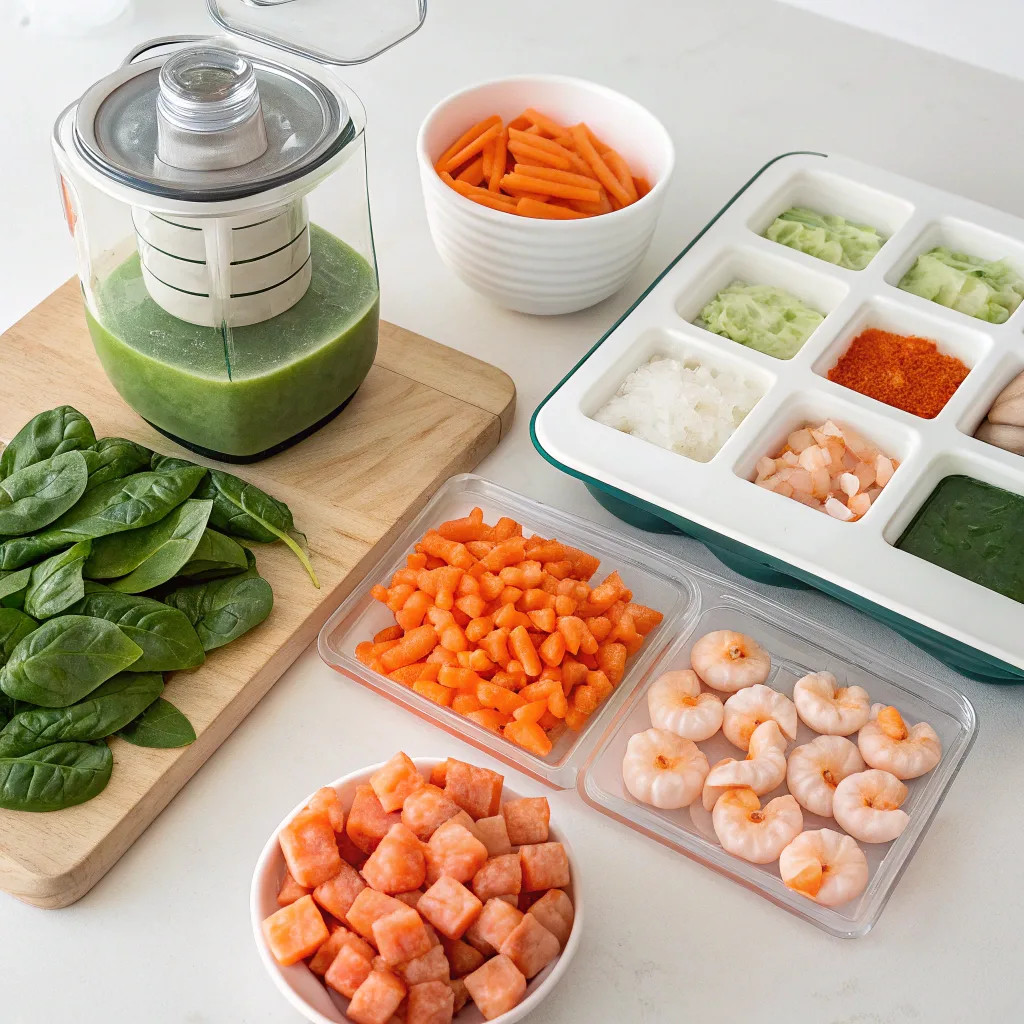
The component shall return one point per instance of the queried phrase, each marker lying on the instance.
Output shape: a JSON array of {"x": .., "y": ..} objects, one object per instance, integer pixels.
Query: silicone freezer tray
[
  {"x": 694, "y": 602},
  {"x": 973, "y": 629}
]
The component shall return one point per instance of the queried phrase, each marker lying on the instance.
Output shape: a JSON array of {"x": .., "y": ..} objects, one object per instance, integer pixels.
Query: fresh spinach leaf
[
  {"x": 164, "y": 462},
  {"x": 142, "y": 559},
  {"x": 17, "y": 552},
  {"x": 222, "y": 610},
  {"x": 243, "y": 510},
  {"x": 160, "y": 725},
  {"x": 109, "y": 707},
  {"x": 58, "y": 776},
  {"x": 113, "y": 458},
  {"x": 215, "y": 556},
  {"x": 57, "y": 583},
  {"x": 165, "y": 635},
  {"x": 13, "y": 583},
  {"x": 54, "y": 432},
  {"x": 65, "y": 659},
  {"x": 15, "y": 625},
  {"x": 35, "y": 496}
]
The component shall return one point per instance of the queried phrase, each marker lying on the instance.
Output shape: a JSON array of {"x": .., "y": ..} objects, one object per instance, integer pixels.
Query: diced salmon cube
[
  {"x": 410, "y": 899},
  {"x": 496, "y": 922},
  {"x": 347, "y": 972},
  {"x": 350, "y": 853},
  {"x": 463, "y": 819},
  {"x": 309, "y": 848},
  {"x": 554, "y": 910},
  {"x": 426, "y": 809},
  {"x": 432, "y": 966},
  {"x": 496, "y": 987},
  {"x": 324, "y": 956},
  {"x": 545, "y": 866},
  {"x": 530, "y": 946},
  {"x": 400, "y": 936},
  {"x": 439, "y": 774},
  {"x": 462, "y": 957},
  {"x": 527, "y": 820},
  {"x": 368, "y": 822},
  {"x": 450, "y": 907},
  {"x": 296, "y": 931},
  {"x": 475, "y": 790},
  {"x": 459, "y": 991},
  {"x": 376, "y": 1000},
  {"x": 290, "y": 890},
  {"x": 398, "y": 864},
  {"x": 327, "y": 799},
  {"x": 395, "y": 780},
  {"x": 453, "y": 850},
  {"x": 493, "y": 833},
  {"x": 432, "y": 1002},
  {"x": 337, "y": 894},
  {"x": 500, "y": 876},
  {"x": 370, "y": 906}
]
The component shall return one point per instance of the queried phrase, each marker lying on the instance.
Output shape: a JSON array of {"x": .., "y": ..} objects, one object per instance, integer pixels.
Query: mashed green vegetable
[
  {"x": 761, "y": 317},
  {"x": 987, "y": 289},
  {"x": 829, "y": 237}
]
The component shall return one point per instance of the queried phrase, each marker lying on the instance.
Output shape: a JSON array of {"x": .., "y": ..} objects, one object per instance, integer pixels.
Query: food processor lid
[
  {"x": 210, "y": 122},
  {"x": 327, "y": 31}
]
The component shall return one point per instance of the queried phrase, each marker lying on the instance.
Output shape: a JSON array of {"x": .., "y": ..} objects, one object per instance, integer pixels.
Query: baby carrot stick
[
  {"x": 498, "y": 161},
  {"x": 547, "y": 211},
  {"x": 520, "y": 122},
  {"x": 553, "y": 174},
  {"x": 515, "y": 193},
  {"x": 538, "y": 142},
  {"x": 551, "y": 188},
  {"x": 486, "y": 157},
  {"x": 529, "y": 155},
  {"x": 546, "y": 124},
  {"x": 474, "y": 173},
  {"x": 596, "y": 142},
  {"x": 586, "y": 150},
  {"x": 618, "y": 166},
  {"x": 592, "y": 210},
  {"x": 471, "y": 149},
  {"x": 642, "y": 185},
  {"x": 465, "y": 140}
]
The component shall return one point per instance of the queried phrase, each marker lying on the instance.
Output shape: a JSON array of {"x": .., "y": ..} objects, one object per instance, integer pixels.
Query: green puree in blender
[
  {"x": 286, "y": 373},
  {"x": 973, "y": 529}
]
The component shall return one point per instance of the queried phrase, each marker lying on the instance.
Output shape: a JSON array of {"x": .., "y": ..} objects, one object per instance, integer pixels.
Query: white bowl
[
  {"x": 542, "y": 266},
  {"x": 308, "y": 994}
]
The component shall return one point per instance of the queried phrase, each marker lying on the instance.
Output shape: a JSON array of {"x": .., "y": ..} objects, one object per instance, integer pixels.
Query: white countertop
[{"x": 165, "y": 936}]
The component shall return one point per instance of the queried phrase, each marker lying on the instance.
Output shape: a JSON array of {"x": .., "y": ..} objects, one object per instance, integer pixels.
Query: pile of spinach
[{"x": 117, "y": 565}]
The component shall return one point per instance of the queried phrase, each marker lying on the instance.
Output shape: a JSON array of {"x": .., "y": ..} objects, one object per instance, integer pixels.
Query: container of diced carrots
[
  {"x": 512, "y": 626},
  {"x": 542, "y": 192}
]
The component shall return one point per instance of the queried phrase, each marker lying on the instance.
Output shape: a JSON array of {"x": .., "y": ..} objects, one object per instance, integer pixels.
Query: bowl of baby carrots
[{"x": 542, "y": 192}]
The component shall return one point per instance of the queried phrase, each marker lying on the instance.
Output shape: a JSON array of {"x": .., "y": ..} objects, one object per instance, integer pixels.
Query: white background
[{"x": 165, "y": 936}]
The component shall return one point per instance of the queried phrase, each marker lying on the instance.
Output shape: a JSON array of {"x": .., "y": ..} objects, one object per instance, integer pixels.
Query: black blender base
[{"x": 241, "y": 460}]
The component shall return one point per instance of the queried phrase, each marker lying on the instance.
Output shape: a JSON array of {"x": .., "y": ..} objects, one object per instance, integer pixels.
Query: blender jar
[{"x": 216, "y": 194}]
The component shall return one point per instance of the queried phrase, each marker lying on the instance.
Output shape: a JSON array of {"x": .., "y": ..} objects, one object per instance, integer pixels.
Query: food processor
[{"x": 216, "y": 192}]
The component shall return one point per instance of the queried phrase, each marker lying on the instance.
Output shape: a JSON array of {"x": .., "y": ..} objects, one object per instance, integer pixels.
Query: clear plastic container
[{"x": 654, "y": 579}]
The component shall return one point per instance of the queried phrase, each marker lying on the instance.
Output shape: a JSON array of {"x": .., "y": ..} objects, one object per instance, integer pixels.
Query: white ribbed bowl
[{"x": 541, "y": 266}]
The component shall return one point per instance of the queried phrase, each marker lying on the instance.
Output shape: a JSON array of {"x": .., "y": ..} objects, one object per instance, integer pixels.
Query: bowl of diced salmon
[{"x": 423, "y": 891}]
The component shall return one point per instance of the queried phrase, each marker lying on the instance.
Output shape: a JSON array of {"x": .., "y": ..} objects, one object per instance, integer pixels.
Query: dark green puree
[
  {"x": 285, "y": 374},
  {"x": 973, "y": 529}
]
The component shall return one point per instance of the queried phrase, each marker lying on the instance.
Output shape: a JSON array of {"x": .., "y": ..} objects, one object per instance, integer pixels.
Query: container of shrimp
[
  {"x": 828, "y": 459},
  {"x": 654, "y": 580},
  {"x": 823, "y": 770}
]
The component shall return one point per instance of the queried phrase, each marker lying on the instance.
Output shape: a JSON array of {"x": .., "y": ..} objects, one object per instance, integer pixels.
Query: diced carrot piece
[
  {"x": 493, "y": 696},
  {"x": 530, "y": 736},
  {"x": 559, "y": 570},
  {"x": 506, "y": 528},
  {"x": 467, "y": 585},
  {"x": 348, "y": 971},
  {"x": 552, "y": 650},
  {"x": 534, "y": 600},
  {"x": 426, "y": 810},
  {"x": 476, "y": 790},
  {"x": 512, "y": 576},
  {"x": 521, "y": 647},
  {"x": 454, "y": 851},
  {"x": 364, "y": 652},
  {"x": 478, "y": 628},
  {"x": 452, "y": 552},
  {"x": 416, "y": 561},
  {"x": 496, "y": 987},
  {"x": 611, "y": 659},
  {"x": 583, "y": 565},
  {"x": 379, "y": 593},
  {"x": 489, "y": 718},
  {"x": 480, "y": 663},
  {"x": 530, "y": 946},
  {"x": 412, "y": 613},
  {"x": 645, "y": 618},
  {"x": 555, "y": 911},
  {"x": 564, "y": 607},
  {"x": 398, "y": 864},
  {"x": 453, "y": 638},
  {"x": 466, "y": 703},
  {"x": 472, "y": 527},
  {"x": 573, "y": 631},
  {"x": 507, "y": 552},
  {"x": 429, "y": 671},
  {"x": 407, "y": 675},
  {"x": 508, "y": 618},
  {"x": 543, "y": 619},
  {"x": 431, "y": 1002},
  {"x": 449, "y": 906},
  {"x": 512, "y": 680},
  {"x": 310, "y": 848},
  {"x": 368, "y": 823},
  {"x": 414, "y": 646},
  {"x": 296, "y": 931},
  {"x": 544, "y": 866},
  {"x": 439, "y": 655},
  {"x": 510, "y": 595},
  {"x": 380, "y": 649},
  {"x": 491, "y": 586},
  {"x": 458, "y": 678},
  {"x": 433, "y": 692},
  {"x": 400, "y": 936},
  {"x": 585, "y": 699},
  {"x": 531, "y": 712},
  {"x": 600, "y": 626},
  {"x": 398, "y": 594},
  {"x": 540, "y": 690},
  {"x": 558, "y": 705},
  {"x": 573, "y": 673},
  {"x": 432, "y": 966},
  {"x": 390, "y": 633},
  {"x": 376, "y": 1000},
  {"x": 337, "y": 894},
  {"x": 575, "y": 719},
  {"x": 600, "y": 683}
]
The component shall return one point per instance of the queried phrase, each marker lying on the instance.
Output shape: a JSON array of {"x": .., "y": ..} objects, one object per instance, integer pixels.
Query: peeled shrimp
[
  {"x": 828, "y": 867},
  {"x": 828, "y": 708},
  {"x": 765, "y": 766},
  {"x": 676, "y": 704},
  {"x": 866, "y": 805},
  {"x": 729, "y": 661},
  {"x": 710, "y": 794},
  {"x": 816, "y": 768},
  {"x": 663, "y": 770},
  {"x": 748, "y": 708},
  {"x": 888, "y": 743},
  {"x": 757, "y": 835}
]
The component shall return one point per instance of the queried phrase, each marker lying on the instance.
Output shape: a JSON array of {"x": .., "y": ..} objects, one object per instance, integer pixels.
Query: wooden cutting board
[{"x": 424, "y": 413}]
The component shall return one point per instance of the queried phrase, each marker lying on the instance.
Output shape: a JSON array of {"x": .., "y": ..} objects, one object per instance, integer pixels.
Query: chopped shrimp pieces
[
  {"x": 887, "y": 742},
  {"x": 825, "y": 866}
]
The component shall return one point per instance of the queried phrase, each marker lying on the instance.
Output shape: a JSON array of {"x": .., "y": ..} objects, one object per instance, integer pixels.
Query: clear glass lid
[{"x": 329, "y": 31}]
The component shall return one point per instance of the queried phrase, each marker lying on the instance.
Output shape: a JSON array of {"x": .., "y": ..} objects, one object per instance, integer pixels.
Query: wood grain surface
[{"x": 424, "y": 413}]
